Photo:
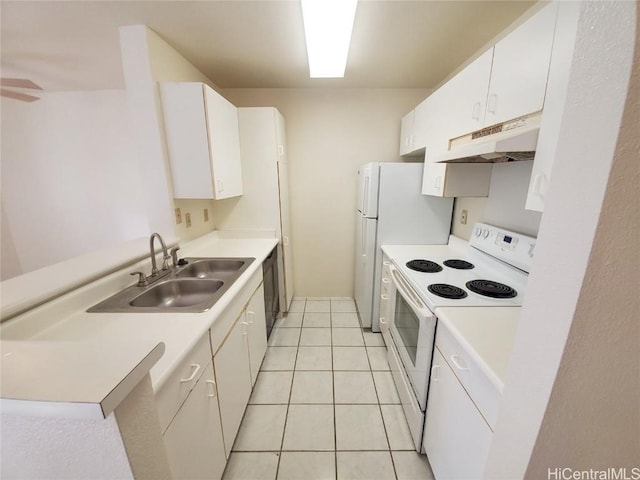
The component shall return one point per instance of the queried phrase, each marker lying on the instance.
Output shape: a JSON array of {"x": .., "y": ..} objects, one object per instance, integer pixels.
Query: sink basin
[
  {"x": 191, "y": 288},
  {"x": 177, "y": 293},
  {"x": 209, "y": 268}
]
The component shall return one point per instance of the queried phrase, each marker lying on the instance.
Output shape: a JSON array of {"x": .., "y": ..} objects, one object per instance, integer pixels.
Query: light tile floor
[{"x": 324, "y": 405}]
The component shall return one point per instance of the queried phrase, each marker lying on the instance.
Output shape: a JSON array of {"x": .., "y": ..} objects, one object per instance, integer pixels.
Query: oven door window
[{"x": 407, "y": 325}]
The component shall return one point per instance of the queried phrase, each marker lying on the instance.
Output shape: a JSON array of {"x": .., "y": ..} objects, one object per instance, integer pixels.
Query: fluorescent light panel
[{"x": 328, "y": 25}]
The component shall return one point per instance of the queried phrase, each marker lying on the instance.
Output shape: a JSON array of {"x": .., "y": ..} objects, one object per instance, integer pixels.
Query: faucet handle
[
  {"x": 142, "y": 279},
  {"x": 174, "y": 255}
]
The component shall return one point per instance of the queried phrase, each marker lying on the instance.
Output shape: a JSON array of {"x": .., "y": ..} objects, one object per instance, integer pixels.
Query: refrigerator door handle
[
  {"x": 363, "y": 246},
  {"x": 365, "y": 196}
]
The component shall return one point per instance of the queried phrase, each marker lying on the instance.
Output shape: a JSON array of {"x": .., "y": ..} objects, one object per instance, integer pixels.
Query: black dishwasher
[{"x": 271, "y": 289}]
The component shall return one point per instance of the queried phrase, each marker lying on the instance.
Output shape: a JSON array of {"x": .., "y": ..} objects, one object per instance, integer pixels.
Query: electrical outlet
[
  {"x": 463, "y": 217},
  {"x": 187, "y": 219},
  {"x": 206, "y": 214},
  {"x": 178, "y": 216}
]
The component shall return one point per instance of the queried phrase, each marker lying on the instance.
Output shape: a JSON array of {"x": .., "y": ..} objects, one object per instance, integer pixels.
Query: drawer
[
  {"x": 484, "y": 393},
  {"x": 175, "y": 390}
]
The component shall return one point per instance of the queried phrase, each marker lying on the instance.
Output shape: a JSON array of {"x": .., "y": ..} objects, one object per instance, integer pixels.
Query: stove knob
[
  {"x": 485, "y": 233},
  {"x": 478, "y": 232}
]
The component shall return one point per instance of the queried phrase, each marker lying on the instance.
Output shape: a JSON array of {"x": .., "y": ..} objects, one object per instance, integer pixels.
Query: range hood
[{"x": 507, "y": 142}]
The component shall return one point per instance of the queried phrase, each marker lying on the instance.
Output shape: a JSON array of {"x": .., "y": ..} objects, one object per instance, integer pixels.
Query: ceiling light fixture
[{"x": 328, "y": 25}]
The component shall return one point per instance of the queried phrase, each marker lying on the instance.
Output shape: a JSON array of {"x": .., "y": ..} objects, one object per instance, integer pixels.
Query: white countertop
[
  {"x": 486, "y": 333},
  {"x": 87, "y": 355}
]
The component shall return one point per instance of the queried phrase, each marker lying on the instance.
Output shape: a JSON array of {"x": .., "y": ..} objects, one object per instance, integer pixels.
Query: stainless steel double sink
[{"x": 191, "y": 288}]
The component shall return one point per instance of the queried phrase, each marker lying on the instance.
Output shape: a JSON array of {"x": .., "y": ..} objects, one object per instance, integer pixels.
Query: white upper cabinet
[
  {"x": 563, "y": 45},
  {"x": 520, "y": 67},
  {"x": 507, "y": 81},
  {"x": 406, "y": 133},
  {"x": 203, "y": 141},
  {"x": 413, "y": 131},
  {"x": 456, "y": 179},
  {"x": 462, "y": 100}
]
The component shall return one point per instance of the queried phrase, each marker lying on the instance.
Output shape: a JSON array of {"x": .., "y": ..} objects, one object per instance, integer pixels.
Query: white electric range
[{"x": 491, "y": 270}]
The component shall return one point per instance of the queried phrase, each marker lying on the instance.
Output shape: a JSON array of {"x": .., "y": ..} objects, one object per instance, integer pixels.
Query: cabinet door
[
  {"x": 233, "y": 377},
  {"x": 561, "y": 57},
  {"x": 463, "y": 98},
  {"x": 520, "y": 68},
  {"x": 385, "y": 301},
  {"x": 433, "y": 177},
  {"x": 286, "y": 295},
  {"x": 257, "y": 325},
  {"x": 185, "y": 125},
  {"x": 224, "y": 144},
  {"x": 456, "y": 437},
  {"x": 194, "y": 438},
  {"x": 406, "y": 133}
]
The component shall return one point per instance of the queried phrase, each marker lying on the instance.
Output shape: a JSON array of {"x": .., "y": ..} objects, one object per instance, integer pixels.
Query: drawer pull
[
  {"x": 457, "y": 364},
  {"x": 435, "y": 370},
  {"x": 385, "y": 280},
  {"x": 384, "y": 296},
  {"x": 383, "y": 321},
  {"x": 196, "y": 369},
  {"x": 214, "y": 389}
]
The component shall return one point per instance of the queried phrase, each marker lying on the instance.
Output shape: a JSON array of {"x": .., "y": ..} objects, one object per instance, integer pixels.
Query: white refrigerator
[{"x": 391, "y": 210}]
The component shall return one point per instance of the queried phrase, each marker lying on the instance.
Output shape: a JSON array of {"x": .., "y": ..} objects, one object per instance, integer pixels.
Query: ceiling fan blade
[
  {"x": 18, "y": 96},
  {"x": 19, "y": 83}
]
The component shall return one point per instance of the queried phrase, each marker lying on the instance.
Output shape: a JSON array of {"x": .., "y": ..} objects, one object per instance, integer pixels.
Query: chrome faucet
[{"x": 165, "y": 255}]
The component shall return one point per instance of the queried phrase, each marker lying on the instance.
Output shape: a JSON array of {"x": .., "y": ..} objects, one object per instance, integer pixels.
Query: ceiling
[{"x": 74, "y": 45}]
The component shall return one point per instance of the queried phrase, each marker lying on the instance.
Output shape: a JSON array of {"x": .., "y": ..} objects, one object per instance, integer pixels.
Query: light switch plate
[
  {"x": 206, "y": 214},
  {"x": 187, "y": 219},
  {"x": 178, "y": 214}
]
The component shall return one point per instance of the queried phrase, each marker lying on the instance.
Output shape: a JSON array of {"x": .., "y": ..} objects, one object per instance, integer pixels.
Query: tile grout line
[
  {"x": 333, "y": 390},
  {"x": 286, "y": 417}
]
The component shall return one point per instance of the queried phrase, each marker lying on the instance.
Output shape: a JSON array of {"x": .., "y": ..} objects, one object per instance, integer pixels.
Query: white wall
[
  {"x": 148, "y": 59},
  {"x": 330, "y": 132},
  {"x": 573, "y": 387},
  {"x": 505, "y": 204},
  {"x": 69, "y": 181}
]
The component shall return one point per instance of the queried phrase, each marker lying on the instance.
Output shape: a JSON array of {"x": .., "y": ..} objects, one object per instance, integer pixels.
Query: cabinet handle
[
  {"x": 246, "y": 328},
  {"x": 280, "y": 150},
  {"x": 250, "y": 315},
  {"x": 435, "y": 370},
  {"x": 411, "y": 140},
  {"x": 492, "y": 105},
  {"x": 438, "y": 182},
  {"x": 285, "y": 241},
  {"x": 383, "y": 321},
  {"x": 387, "y": 263},
  {"x": 384, "y": 296},
  {"x": 196, "y": 369},
  {"x": 214, "y": 389},
  {"x": 385, "y": 280},
  {"x": 537, "y": 184},
  {"x": 220, "y": 186},
  {"x": 475, "y": 113},
  {"x": 457, "y": 365}
]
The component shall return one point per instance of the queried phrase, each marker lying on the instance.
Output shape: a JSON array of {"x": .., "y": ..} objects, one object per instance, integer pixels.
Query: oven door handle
[{"x": 408, "y": 293}]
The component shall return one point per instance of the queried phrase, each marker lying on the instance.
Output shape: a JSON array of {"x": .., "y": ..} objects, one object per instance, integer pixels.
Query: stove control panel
[
  {"x": 513, "y": 248},
  {"x": 508, "y": 242}
]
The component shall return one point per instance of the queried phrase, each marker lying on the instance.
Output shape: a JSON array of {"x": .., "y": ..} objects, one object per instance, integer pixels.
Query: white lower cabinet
[
  {"x": 193, "y": 440},
  {"x": 257, "y": 332},
  {"x": 385, "y": 300},
  {"x": 456, "y": 436},
  {"x": 233, "y": 377}
]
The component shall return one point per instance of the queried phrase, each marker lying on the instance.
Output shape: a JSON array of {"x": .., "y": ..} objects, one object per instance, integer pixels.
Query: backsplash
[
  {"x": 195, "y": 210},
  {"x": 504, "y": 206}
]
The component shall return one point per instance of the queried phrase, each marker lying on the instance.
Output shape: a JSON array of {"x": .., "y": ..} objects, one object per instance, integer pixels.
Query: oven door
[{"x": 412, "y": 326}]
